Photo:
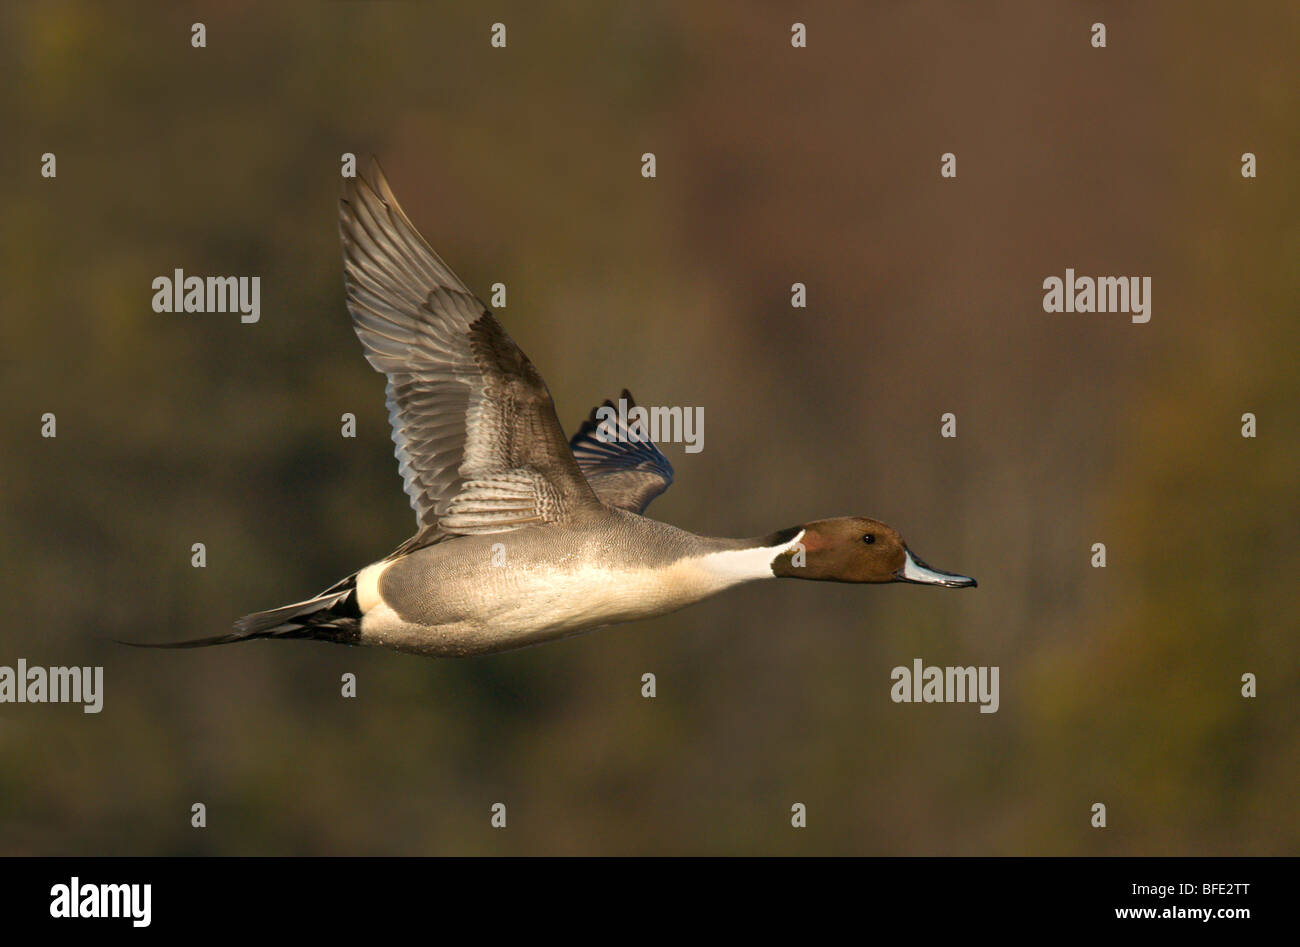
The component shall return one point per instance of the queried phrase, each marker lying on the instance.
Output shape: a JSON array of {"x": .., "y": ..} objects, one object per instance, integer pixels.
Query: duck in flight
[{"x": 522, "y": 536}]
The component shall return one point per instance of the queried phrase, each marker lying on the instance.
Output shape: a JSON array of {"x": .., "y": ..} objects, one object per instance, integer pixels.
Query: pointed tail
[{"x": 333, "y": 615}]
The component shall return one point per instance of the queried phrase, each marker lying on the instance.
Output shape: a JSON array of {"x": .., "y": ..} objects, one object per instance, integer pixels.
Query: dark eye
[{"x": 869, "y": 538}]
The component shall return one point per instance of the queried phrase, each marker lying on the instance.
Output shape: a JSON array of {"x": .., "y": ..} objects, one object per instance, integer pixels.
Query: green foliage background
[{"x": 775, "y": 165}]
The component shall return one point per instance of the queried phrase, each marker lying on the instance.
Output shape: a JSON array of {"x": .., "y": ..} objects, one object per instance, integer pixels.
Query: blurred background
[{"x": 775, "y": 165}]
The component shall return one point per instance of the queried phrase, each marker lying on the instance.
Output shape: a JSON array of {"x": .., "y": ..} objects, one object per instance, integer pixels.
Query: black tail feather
[
  {"x": 193, "y": 643},
  {"x": 334, "y": 615}
]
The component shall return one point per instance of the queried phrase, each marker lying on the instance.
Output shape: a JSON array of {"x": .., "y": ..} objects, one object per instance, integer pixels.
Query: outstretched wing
[
  {"x": 479, "y": 446},
  {"x": 620, "y": 461}
]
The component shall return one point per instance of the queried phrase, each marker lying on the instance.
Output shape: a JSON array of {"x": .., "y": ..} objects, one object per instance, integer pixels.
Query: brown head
[{"x": 858, "y": 549}]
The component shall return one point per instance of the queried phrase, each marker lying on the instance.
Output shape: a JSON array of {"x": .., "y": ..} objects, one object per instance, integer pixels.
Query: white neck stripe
[{"x": 743, "y": 565}]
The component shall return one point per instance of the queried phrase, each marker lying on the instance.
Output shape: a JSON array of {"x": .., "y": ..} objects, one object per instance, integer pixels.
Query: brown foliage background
[{"x": 775, "y": 165}]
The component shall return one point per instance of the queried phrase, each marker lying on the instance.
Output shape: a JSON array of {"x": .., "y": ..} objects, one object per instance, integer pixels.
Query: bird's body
[
  {"x": 499, "y": 591},
  {"x": 522, "y": 535}
]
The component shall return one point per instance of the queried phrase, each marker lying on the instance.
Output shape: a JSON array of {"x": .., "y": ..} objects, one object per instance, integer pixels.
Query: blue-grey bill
[{"x": 914, "y": 570}]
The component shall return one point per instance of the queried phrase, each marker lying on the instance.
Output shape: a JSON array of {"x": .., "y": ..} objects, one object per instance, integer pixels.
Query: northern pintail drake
[{"x": 522, "y": 536}]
